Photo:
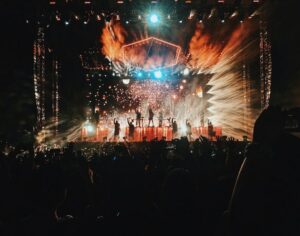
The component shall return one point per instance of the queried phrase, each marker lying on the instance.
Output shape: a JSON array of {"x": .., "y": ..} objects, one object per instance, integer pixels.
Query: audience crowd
[{"x": 222, "y": 187}]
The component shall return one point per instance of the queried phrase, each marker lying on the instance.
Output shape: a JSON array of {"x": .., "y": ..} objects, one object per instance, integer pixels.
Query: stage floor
[{"x": 104, "y": 134}]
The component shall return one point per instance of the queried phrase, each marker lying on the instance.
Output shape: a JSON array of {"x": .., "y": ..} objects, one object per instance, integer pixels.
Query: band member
[
  {"x": 131, "y": 129},
  {"x": 151, "y": 115},
  {"x": 117, "y": 129},
  {"x": 174, "y": 127},
  {"x": 160, "y": 119},
  {"x": 188, "y": 129},
  {"x": 210, "y": 129},
  {"x": 138, "y": 118},
  {"x": 169, "y": 122},
  {"x": 202, "y": 120}
]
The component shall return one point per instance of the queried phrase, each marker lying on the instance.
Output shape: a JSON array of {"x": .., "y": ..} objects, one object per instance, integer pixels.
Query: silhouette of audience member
[{"x": 265, "y": 200}]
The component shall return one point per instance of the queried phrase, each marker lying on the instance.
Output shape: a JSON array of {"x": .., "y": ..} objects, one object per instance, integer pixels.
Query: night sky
[{"x": 16, "y": 90}]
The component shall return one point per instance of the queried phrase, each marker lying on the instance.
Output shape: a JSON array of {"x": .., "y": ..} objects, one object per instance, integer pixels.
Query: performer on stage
[
  {"x": 188, "y": 129},
  {"x": 117, "y": 129},
  {"x": 138, "y": 118},
  {"x": 169, "y": 122},
  {"x": 131, "y": 129},
  {"x": 151, "y": 115},
  {"x": 160, "y": 119},
  {"x": 174, "y": 127},
  {"x": 210, "y": 129}
]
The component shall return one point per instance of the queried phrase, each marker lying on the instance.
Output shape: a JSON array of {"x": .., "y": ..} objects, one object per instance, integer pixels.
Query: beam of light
[{"x": 228, "y": 105}]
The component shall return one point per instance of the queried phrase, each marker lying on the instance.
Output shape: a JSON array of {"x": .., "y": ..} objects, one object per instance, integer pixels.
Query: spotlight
[
  {"x": 67, "y": 23},
  {"x": 157, "y": 74},
  {"x": 139, "y": 74},
  {"x": 126, "y": 81},
  {"x": 154, "y": 18},
  {"x": 180, "y": 21},
  {"x": 127, "y": 22},
  {"x": 222, "y": 21},
  {"x": 90, "y": 128},
  {"x": 85, "y": 22},
  {"x": 186, "y": 71}
]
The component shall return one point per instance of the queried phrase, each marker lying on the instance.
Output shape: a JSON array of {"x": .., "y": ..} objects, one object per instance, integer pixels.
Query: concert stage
[{"x": 103, "y": 134}]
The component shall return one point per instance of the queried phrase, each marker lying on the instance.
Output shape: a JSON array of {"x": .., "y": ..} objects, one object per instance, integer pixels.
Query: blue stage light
[
  {"x": 154, "y": 18},
  {"x": 157, "y": 74},
  {"x": 139, "y": 74}
]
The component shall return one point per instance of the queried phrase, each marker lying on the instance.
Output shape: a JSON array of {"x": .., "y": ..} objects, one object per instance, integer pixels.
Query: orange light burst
[
  {"x": 113, "y": 38},
  {"x": 203, "y": 53}
]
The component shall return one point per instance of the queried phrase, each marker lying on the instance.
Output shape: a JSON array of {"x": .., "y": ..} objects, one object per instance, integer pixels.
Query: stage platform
[{"x": 104, "y": 134}]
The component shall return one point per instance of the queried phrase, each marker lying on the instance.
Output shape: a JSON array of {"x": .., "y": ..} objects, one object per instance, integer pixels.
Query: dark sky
[
  {"x": 16, "y": 90},
  {"x": 285, "y": 32}
]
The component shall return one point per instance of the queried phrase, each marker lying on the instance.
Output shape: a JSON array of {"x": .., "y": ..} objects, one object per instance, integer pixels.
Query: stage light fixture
[
  {"x": 186, "y": 71},
  {"x": 67, "y": 23},
  {"x": 126, "y": 81},
  {"x": 89, "y": 127},
  {"x": 139, "y": 74},
  {"x": 154, "y": 18},
  {"x": 157, "y": 74}
]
